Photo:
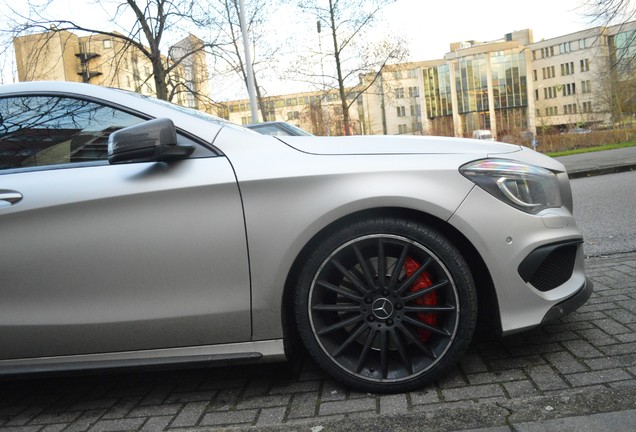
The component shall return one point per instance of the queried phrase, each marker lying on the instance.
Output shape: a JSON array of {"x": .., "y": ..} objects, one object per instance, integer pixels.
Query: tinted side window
[{"x": 44, "y": 130}]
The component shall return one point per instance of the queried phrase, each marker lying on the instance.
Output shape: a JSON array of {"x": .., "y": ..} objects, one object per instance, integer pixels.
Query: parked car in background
[
  {"x": 136, "y": 232},
  {"x": 277, "y": 128},
  {"x": 483, "y": 135}
]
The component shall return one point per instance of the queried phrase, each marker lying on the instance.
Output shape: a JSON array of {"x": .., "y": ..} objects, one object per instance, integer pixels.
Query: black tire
[{"x": 394, "y": 333}]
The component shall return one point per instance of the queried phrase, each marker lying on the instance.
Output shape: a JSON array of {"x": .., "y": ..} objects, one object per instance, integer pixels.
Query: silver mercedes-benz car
[{"x": 136, "y": 232}]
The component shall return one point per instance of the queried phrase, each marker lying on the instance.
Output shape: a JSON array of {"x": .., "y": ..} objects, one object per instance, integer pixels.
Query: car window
[{"x": 46, "y": 130}]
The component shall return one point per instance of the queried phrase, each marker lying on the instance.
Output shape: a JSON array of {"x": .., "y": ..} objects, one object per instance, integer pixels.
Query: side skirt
[{"x": 209, "y": 355}]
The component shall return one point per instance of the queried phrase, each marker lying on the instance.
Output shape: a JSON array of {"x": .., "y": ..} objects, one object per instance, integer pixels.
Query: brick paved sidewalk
[{"x": 588, "y": 358}]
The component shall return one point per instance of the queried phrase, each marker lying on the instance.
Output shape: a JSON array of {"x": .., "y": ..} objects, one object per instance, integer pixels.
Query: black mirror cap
[{"x": 150, "y": 141}]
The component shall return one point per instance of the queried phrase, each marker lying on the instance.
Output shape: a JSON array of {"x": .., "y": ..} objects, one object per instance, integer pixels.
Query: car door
[{"x": 98, "y": 258}]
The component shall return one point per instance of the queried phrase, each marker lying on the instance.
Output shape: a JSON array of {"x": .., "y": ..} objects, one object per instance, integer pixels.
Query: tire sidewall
[{"x": 438, "y": 245}]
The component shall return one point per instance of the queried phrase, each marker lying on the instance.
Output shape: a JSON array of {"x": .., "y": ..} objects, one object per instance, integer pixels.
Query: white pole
[{"x": 248, "y": 64}]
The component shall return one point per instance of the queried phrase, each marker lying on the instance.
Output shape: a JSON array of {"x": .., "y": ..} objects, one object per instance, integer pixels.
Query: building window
[
  {"x": 567, "y": 68},
  {"x": 399, "y": 93},
  {"x": 548, "y": 72},
  {"x": 401, "y": 111},
  {"x": 569, "y": 109},
  {"x": 587, "y": 107},
  {"x": 246, "y": 120},
  {"x": 292, "y": 115},
  {"x": 536, "y": 94},
  {"x": 549, "y": 92},
  {"x": 585, "y": 65},
  {"x": 107, "y": 43},
  {"x": 534, "y": 74},
  {"x": 569, "y": 89},
  {"x": 412, "y": 73},
  {"x": 414, "y": 92},
  {"x": 538, "y": 112},
  {"x": 586, "y": 86},
  {"x": 402, "y": 129}
]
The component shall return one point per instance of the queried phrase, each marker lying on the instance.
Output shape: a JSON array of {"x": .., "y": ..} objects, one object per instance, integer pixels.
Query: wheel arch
[{"x": 488, "y": 320}]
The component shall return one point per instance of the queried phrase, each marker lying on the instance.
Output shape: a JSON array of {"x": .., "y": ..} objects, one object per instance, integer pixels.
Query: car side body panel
[
  {"x": 290, "y": 196},
  {"x": 123, "y": 257}
]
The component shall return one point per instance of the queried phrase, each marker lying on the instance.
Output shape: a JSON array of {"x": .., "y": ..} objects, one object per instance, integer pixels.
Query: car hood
[{"x": 395, "y": 145}]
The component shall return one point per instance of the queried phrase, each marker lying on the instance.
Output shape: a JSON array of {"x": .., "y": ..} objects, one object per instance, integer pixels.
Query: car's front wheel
[{"x": 386, "y": 305}]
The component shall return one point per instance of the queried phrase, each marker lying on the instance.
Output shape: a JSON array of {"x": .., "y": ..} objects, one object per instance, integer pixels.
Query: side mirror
[{"x": 152, "y": 140}]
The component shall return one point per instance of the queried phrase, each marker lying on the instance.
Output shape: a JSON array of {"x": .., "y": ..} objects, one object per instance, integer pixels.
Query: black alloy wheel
[{"x": 386, "y": 305}]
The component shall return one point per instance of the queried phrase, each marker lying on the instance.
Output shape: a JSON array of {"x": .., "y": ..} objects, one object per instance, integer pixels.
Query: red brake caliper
[{"x": 422, "y": 282}]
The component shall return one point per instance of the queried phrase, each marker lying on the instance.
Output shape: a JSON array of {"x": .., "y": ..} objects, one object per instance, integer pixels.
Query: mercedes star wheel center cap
[{"x": 382, "y": 308}]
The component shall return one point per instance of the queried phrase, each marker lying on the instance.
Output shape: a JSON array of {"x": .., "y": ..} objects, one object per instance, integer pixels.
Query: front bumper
[
  {"x": 536, "y": 262},
  {"x": 571, "y": 304}
]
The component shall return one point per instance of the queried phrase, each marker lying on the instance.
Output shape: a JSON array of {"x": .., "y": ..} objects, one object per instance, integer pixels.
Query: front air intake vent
[{"x": 549, "y": 266}]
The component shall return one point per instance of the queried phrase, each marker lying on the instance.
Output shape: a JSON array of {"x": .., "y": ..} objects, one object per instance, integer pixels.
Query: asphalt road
[{"x": 605, "y": 210}]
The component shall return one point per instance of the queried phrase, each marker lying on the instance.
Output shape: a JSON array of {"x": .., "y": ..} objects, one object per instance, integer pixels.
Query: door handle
[{"x": 9, "y": 197}]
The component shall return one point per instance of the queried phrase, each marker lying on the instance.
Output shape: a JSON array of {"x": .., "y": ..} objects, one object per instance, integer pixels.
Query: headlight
[{"x": 526, "y": 187}]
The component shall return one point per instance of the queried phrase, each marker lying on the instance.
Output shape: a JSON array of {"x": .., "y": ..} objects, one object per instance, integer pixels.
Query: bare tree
[
  {"x": 606, "y": 12},
  {"x": 349, "y": 24},
  {"x": 151, "y": 21},
  {"x": 230, "y": 55}
]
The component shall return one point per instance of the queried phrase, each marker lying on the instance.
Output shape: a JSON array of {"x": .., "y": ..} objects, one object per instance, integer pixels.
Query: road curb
[{"x": 590, "y": 172}]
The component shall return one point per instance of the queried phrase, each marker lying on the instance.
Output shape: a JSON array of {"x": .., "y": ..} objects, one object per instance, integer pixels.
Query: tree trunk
[{"x": 341, "y": 87}]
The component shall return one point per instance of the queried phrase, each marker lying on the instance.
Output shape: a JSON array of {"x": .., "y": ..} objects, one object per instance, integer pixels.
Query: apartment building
[
  {"x": 512, "y": 86},
  {"x": 580, "y": 78},
  {"x": 480, "y": 86},
  {"x": 317, "y": 112},
  {"x": 392, "y": 104},
  {"x": 108, "y": 61}
]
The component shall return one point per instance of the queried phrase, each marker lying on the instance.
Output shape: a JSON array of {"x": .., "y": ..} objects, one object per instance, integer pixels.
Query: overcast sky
[{"x": 432, "y": 25}]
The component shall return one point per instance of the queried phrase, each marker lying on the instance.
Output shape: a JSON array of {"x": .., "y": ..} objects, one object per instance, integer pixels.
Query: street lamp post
[
  {"x": 248, "y": 64},
  {"x": 325, "y": 99}
]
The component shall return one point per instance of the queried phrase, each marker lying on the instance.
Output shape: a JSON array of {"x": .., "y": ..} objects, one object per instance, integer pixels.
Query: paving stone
[
  {"x": 472, "y": 363},
  {"x": 117, "y": 425},
  {"x": 156, "y": 410},
  {"x": 297, "y": 387},
  {"x": 25, "y": 416},
  {"x": 53, "y": 428},
  {"x": 121, "y": 408},
  {"x": 271, "y": 416},
  {"x": 581, "y": 348},
  {"x": 332, "y": 391},
  {"x": 154, "y": 424},
  {"x": 199, "y": 396},
  {"x": 190, "y": 414},
  {"x": 618, "y": 349},
  {"x": 519, "y": 389},
  {"x": 545, "y": 378},
  {"x": 393, "y": 404},
  {"x": 597, "y": 337},
  {"x": 264, "y": 401},
  {"x": 472, "y": 392},
  {"x": 499, "y": 376},
  {"x": 347, "y": 406},
  {"x": 229, "y": 417},
  {"x": 85, "y": 421},
  {"x": 618, "y": 361},
  {"x": 304, "y": 405},
  {"x": 564, "y": 362},
  {"x": 598, "y": 377}
]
